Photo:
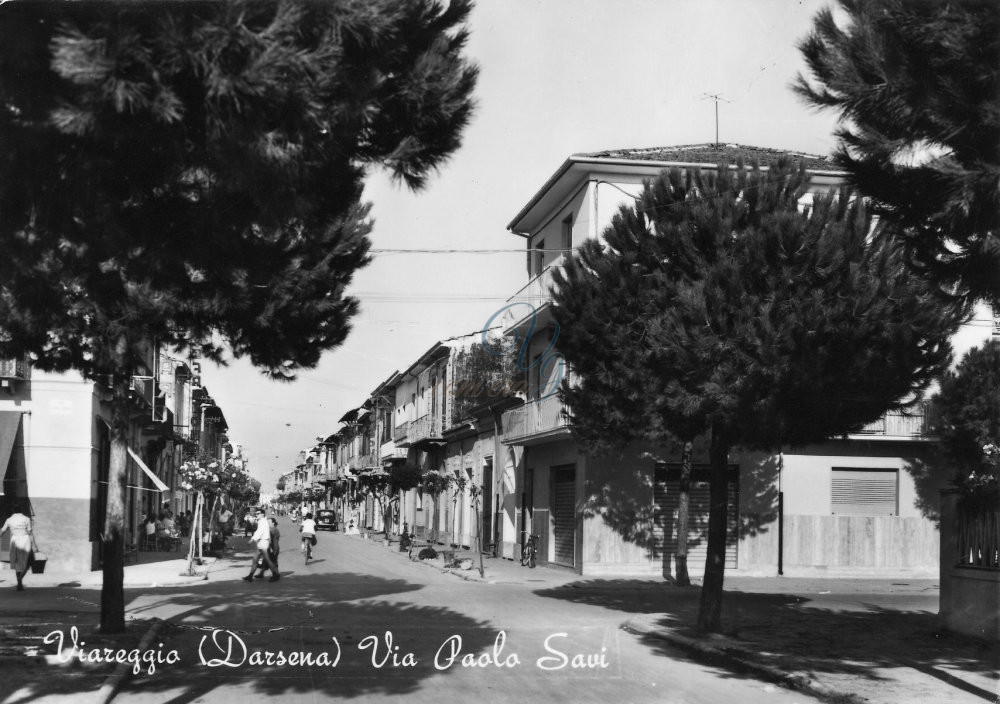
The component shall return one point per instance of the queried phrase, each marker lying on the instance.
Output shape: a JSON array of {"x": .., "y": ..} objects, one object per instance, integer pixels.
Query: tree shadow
[
  {"x": 793, "y": 633},
  {"x": 634, "y": 596},
  {"x": 329, "y": 618},
  {"x": 637, "y": 501},
  {"x": 32, "y": 668},
  {"x": 930, "y": 477}
]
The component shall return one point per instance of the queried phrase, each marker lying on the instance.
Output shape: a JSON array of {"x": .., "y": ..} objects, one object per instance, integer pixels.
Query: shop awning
[
  {"x": 10, "y": 423},
  {"x": 157, "y": 482}
]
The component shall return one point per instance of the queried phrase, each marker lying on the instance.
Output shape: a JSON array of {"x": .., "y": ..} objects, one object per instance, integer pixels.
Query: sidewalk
[{"x": 152, "y": 569}]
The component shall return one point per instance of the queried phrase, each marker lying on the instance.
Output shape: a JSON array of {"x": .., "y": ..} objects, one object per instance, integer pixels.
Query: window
[
  {"x": 539, "y": 258},
  {"x": 864, "y": 492},
  {"x": 567, "y": 233}
]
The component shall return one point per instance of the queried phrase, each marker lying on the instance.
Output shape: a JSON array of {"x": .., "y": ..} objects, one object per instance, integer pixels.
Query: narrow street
[{"x": 377, "y": 626}]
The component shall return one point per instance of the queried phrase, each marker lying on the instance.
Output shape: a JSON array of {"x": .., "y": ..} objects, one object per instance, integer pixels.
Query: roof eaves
[{"x": 620, "y": 157}]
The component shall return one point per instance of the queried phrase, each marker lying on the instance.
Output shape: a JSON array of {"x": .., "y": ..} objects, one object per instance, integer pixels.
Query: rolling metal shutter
[
  {"x": 666, "y": 495},
  {"x": 864, "y": 492},
  {"x": 564, "y": 516}
]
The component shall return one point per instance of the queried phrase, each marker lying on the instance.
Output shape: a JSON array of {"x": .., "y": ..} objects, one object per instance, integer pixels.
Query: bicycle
[
  {"x": 530, "y": 551},
  {"x": 307, "y": 547}
]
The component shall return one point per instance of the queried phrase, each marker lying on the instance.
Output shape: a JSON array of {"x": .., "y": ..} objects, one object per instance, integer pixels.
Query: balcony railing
[
  {"x": 536, "y": 291},
  {"x": 14, "y": 369},
  {"x": 426, "y": 427},
  {"x": 911, "y": 423},
  {"x": 361, "y": 462},
  {"x": 399, "y": 432},
  {"x": 390, "y": 451},
  {"x": 537, "y": 418}
]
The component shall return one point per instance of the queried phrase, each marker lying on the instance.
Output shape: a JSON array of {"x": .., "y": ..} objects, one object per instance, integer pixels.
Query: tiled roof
[{"x": 713, "y": 154}]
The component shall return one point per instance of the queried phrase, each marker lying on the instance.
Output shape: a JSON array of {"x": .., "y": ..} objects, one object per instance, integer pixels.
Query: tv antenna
[{"x": 716, "y": 97}]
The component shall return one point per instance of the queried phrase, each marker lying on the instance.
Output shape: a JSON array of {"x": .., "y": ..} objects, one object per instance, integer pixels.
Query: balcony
[
  {"x": 399, "y": 432},
  {"x": 13, "y": 372},
  {"x": 14, "y": 369},
  {"x": 426, "y": 427},
  {"x": 535, "y": 293},
  {"x": 536, "y": 422},
  {"x": 912, "y": 423},
  {"x": 391, "y": 451},
  {"x": 361, "y": 463}
]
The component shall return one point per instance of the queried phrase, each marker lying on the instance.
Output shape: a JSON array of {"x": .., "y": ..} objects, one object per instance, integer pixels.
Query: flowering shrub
[
  {"x": 434, "y": 483},
  {"x": 214, "y": 476}
]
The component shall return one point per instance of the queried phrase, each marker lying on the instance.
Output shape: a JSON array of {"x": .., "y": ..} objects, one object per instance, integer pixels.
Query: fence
[
  {"x": 978, "y": 538},
  {"x": 970, "y": 572}
]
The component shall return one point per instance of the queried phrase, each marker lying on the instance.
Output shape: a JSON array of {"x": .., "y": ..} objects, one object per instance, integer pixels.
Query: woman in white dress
[{"x": 22, "y": 542}]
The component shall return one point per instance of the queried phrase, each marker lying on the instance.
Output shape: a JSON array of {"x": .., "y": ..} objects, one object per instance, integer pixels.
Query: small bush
[{"x": 427, "y": 554}]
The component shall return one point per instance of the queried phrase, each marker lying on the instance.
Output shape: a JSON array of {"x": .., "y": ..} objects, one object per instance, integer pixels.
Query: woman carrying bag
[{"x": 22, "y": 543}]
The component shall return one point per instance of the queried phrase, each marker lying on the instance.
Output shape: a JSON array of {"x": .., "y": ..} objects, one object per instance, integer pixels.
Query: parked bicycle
[{"x": 530, "y": 550}]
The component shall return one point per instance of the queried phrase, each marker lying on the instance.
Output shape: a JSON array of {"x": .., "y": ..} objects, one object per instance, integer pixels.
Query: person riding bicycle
[{"x": 308, "y": 530}]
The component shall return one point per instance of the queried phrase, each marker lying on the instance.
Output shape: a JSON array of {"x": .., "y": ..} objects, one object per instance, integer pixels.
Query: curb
[
  {"x": 736, "y": 655},
  {"x": 123, "y": 670},
  {"x": 474, "y": 577}
]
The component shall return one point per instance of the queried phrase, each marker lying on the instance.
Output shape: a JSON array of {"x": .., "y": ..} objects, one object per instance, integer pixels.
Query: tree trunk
[
  {"x": 113, "y": 538},
  {"x": 710, "y": 608},
  {"x": 194, "y": 532},
  {"x": 211, "y": 522},
  {"x": 479, "y": 532},
  {"x": 387, "y": 517},
  {"x": 683, "y": 508},
  {"x": 429, "y": 504}
]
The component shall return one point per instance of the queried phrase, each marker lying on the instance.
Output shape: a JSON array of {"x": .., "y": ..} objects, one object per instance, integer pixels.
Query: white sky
[{"x": 557, "y": 77}]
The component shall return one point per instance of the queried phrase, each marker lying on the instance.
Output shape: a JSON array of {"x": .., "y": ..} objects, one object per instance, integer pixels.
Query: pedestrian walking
[
  {"x": 249, "y": 523},
  {"x": 225, "y": 527},
  {"x": 274, "y": 549},
  {"x": 22, "y": 542},
  {"x": 262, "y": 538}
]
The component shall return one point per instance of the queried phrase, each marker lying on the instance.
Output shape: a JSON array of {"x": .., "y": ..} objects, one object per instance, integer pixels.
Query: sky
[{"x": 558, "y": 77}]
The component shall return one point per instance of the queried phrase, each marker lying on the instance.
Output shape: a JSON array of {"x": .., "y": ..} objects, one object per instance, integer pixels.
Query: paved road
[{"x": 379, "y": 627}]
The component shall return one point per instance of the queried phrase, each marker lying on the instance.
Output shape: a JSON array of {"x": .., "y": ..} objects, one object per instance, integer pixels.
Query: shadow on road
[
  {"x": 794, "y": 634},
  {"x": 352, "y": 638}
]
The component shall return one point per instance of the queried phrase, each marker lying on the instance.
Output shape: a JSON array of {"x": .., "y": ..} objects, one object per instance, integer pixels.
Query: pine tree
[
  {"x": 718, "y": 305},
  {"x": 967, "y": 421},
  {"x": 189, "y": 174},
  {"x": 917, "y": 87}
]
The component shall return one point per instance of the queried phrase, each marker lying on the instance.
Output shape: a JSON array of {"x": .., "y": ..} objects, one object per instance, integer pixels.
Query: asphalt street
[{"x": 363, "y": 622}]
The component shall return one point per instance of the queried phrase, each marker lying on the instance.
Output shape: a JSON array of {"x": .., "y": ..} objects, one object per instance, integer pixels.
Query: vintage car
[{"x": 326, "y": 519}]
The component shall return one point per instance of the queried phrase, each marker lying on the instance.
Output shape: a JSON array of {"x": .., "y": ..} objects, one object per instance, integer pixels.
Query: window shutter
[{"x": 864, "y": 492}]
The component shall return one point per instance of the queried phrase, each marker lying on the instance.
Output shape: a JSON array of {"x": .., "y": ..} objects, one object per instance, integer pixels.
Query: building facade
[
  {"x": 495, "y": 448},
  {"x": 55, "y": 446},
  {"x": 848, "y": 506}
]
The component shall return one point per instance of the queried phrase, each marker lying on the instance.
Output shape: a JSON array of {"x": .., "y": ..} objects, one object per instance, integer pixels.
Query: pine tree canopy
[
  {"x": 917, "y": 88},
  {"x": 191, "y": 172},
  {"x": 727, "y": 300},
  {"x": 967, "y": 418}
]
